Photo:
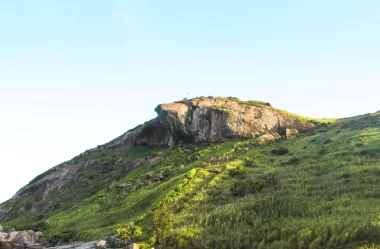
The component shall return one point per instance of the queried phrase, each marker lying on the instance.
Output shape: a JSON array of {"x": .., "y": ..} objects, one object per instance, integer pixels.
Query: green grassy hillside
[{"x": 319, "y": 190}]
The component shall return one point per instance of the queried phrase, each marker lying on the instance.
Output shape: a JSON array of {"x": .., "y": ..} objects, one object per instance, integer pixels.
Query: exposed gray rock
[
  {"x": 4, "y": 236},
  {"x": 21, "y": 237},
  {"x": 209, "y": 120},
  {"x": 101, "y": 244},
  {"x": 13, "y": 235},
  {"x": 45, "y": 183},
  {"x": 133, "y": 246},
  {"x": 116, "y": 242},
  {"x": 267, "y": 138},
  {"x": 291, "y": 133}
]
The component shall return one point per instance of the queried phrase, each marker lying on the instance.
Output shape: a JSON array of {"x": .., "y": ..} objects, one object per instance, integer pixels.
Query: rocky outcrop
[
  {"x": 20, "y": 239},
  {"x": 116, "y": 242},
  {"x": 24, "y": 237},
  {"x": 3, "y": 236},
  {"x": 62, "y": 174},
  {"x": 50, "y": 180},
  {"x": 209, "y": 120}
]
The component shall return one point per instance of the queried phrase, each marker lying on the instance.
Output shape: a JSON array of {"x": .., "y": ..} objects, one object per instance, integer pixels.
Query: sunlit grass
[{"x": 324, "y": 192}]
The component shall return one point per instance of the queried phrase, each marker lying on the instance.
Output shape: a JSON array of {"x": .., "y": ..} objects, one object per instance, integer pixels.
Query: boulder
[
  {"x": 3, "y": 236},
  {"x": 12, "y": 235},
  {"x": 37, "y": 236},
  {"x": 116, "y": 242},
  {"x": 101, "y": 244},
  {"x": 1, "y": 228},
  {"x": 22, "y": 238},
  {"x": 291, "y": 133},
  {"x": 267, "y": 138},
  {"x": 133, "y": 246},
  {"x": 215, "y": 170},
  {"x": 6, "y": 245}
]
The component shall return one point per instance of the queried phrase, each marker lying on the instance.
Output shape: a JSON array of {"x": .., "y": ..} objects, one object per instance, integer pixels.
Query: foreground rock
[
  {"x": 6, "y": 245},
  {"x": 20, "y": 240},
  {"x": 116, "y": 242},
  {"x": 4, "y": 236}
]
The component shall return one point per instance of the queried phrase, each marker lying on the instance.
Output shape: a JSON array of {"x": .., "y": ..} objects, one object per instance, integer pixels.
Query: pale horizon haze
[{"x": 76, "y": 74}]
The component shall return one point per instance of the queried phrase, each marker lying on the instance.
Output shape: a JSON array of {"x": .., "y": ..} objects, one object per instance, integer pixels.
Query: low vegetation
[{"x": 319, "y": 190}]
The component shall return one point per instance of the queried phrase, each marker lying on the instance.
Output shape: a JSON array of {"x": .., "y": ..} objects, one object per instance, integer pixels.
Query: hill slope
[{"x": 318, "y": 190}]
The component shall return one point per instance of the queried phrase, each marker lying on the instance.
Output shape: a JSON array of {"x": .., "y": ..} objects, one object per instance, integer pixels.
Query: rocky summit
[{"x": 210, "y": 120}]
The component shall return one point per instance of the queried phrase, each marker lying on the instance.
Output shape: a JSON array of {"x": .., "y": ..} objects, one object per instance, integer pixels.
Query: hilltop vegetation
[
  {"x": 269, "y": 106},
  {"x": 319, "y": 190}
]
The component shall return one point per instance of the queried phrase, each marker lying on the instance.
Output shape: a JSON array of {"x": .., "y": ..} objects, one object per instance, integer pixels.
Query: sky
[{"x": 76, "y": 74}]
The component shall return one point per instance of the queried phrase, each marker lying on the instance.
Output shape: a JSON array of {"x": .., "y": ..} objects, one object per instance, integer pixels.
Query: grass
[
  {"x": 321, "y": 121},
  {"x": 324, "y": 192}
]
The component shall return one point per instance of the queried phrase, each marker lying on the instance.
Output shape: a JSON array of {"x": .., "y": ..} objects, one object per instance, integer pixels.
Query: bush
[
  {"x": 130, "y": 231},
  {"x": 249, "y": 162},
  {"x": 280, "y": 151},
  {"x": 239, "y": 170},
  {"x": 191, "y": 173},
  {"x": 144, "y": 246},
  {"x": 202, "y": 173}
]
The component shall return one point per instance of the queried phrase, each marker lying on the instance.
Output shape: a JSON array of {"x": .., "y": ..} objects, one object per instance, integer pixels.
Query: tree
[
  {"x": 162, "y": 223},
  {"x": 130, "y": 231}
]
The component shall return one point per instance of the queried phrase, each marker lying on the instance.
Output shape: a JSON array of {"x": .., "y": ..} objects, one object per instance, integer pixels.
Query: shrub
[
  {"x": 202, "y": 173},
  {"x": 239, "y": 170},
  {"x": 249, "y": 162},
  {"x": 162, "y": 224},
  {"x": 144, "y": 246},
  {"x": 130, "y": 231},
  {"x": 191, "y": 173},
  {"x": 280, "y": 151}
]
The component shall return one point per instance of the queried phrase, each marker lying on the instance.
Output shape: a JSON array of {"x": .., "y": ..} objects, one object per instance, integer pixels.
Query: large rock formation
[{"x": 209, "y": 120}]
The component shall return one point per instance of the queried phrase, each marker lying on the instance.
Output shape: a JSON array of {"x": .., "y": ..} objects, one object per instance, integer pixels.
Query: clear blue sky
[{"x": 75, "y": 74}]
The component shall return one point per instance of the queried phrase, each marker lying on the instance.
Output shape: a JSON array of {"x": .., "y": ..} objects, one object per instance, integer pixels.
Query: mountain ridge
[
  {"x": 215, "y": 119},
  {"x": 286, "y": 187},
  {"x": 187, "y": 121}
]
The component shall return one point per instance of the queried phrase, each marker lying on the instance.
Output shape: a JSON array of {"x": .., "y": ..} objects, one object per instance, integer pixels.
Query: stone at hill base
[
  {"x": 4, "y": 236},
  {"x": 6, "y": 245}
]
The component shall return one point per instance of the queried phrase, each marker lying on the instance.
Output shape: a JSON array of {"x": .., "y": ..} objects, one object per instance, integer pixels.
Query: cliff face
[{"x": 209, "y": 120}]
